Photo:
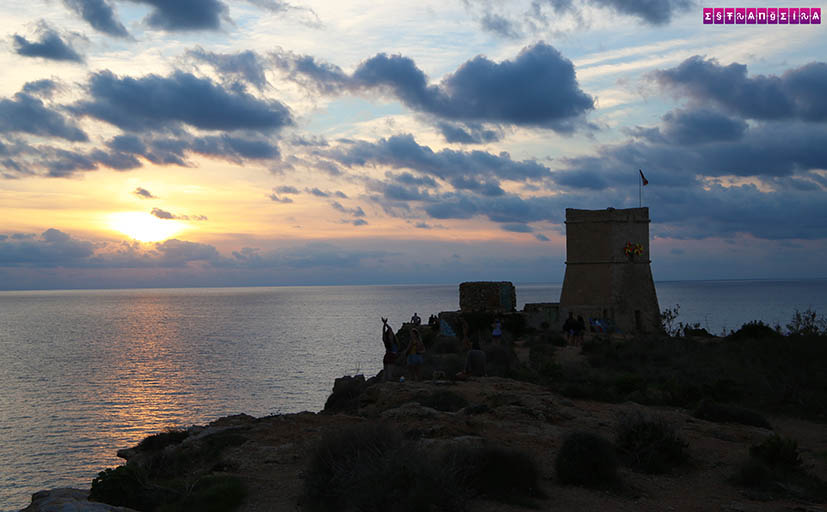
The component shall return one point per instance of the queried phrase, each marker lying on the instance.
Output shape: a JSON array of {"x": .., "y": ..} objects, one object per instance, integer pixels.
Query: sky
[{"x": 157, "y": 143}]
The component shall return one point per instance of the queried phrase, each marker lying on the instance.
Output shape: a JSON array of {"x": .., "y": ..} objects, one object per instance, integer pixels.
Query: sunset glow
[
  {"x": 144, "y": 227},
  {"x": 320, "y": 142}
]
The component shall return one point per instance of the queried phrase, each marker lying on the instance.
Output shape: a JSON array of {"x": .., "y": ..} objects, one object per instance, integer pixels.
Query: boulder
[{"x": 68, "y": 500}]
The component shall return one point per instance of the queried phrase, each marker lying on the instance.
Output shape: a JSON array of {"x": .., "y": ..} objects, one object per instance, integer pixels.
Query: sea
[{"x": 84, "y": 373}]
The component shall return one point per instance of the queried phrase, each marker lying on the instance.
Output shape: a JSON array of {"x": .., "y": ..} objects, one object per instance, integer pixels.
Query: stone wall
[
  {"x": 602, "y": 281},
  {"x": 487, "y": 296}
]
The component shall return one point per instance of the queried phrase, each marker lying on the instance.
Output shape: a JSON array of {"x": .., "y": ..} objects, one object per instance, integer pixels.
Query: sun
[{"x": 144, "y": 227}]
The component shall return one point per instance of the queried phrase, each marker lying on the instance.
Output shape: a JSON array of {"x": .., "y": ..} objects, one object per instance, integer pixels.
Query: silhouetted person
[
  {"x": 570, "y": 328},
  {"x": 475, "y": 361},
  {"x": 416, "y": 320},
  {"x": 391, "y": 349},
  {"x": 416, "y": 353},
  {"x": 581, "y": 330}
]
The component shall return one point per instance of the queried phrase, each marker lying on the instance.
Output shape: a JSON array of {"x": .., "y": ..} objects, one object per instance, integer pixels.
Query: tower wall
[{"x": 602, "y": 281}]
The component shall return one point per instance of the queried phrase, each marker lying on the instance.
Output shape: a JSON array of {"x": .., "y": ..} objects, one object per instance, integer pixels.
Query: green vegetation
[
  {"x": 755, "y": 366},
  {"x": 586, "y": 459},
  {"x": 649, "y": 444},
  {"x": 370, "y": 467},
  {"x": 167, "y": 475}
]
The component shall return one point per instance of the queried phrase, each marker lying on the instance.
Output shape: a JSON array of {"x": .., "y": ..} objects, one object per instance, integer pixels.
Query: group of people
[
  {"x": 414, "y": 351},
  {"x": 574, "y": 329}
]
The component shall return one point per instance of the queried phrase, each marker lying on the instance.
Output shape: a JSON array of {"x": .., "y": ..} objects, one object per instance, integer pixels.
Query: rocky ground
[{"x": 270, "y": 455}]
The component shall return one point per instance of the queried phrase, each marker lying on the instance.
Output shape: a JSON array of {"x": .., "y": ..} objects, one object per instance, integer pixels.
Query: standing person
[
  {"x": 391, "y": 349},
  {"x": 466, "y": 334},
  {"x": 496, "y": 331},
  {"x": 416, "y": 353},
  {"x": 475, "y": 361},
  {"x": 569, "y": 328},
  {"x": 581, "y": 330}
]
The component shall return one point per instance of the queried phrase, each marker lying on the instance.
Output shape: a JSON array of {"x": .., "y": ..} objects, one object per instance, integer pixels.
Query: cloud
[
  {"x": 276, "y": 198},
  {"x": 50, "y": 46},
  {"x": 165, "y": 215},
  {"x": 143, "y": 193},
  {"x": 517, "y": 228},
  {"x": 355, "y": 212},
  {"x": 500, "y": 25},
  {"x": 28, "y": 114},
  {"x": 701, "y": 125},
  {"x": 798, "y": 93},
  {"x": 246, "y": 65},
  {"x": 99, "y": 14},
  {"x": 286, "y": 189},
  {"x": 541, "y": 237},
  {"x": 178, "y": 15},
  {"x": 154, "y": 103},
  {"x": 658, "y": 12},
  {"x": 45, "y": 88},
  {"x": 358, "y": 222},
  {"x": 477, "y": 170},
  {"x": 469, "y": 134},
  {"x": 538, "y": 88},
  {"x": 52, "y": 248}
]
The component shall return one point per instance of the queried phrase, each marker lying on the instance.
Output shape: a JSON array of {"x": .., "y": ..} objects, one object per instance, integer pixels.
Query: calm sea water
[{"x": 84, "y": 373}]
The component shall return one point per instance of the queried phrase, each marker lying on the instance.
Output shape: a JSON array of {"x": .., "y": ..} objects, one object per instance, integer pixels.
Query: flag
[{"x": 643, "y": 178}]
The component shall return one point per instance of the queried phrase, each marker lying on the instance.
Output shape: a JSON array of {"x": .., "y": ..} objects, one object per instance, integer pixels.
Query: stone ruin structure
[
  {"x": 488, "y": 296},
  {"x": 608, "y": 277}
]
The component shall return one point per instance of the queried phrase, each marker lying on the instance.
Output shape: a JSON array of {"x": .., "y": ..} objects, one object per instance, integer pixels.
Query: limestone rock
[{"x": 68, "y": 500}]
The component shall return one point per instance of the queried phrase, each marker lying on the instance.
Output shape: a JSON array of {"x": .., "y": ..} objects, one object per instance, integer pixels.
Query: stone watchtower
[{"x": 607, "y": 269}]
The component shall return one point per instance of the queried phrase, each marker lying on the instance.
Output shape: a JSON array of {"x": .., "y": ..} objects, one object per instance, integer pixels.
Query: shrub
[
  {"x": 214, "y": 493},
  {"x": 369, "y": 467},
  {"x": 755, "y": 330},
  {"x": 499, "y": 473},
  {"x": 586, "y": 459},
  {"x": 779, "y": 453},
  {"x": 774, "y": 468},
  {"x": 122, "y": 486},
  {"x": 726, "y": 413},
  {"x": 163, "y": 439},
  {"x": 649, "y": 444},
  {"x": 807, "y": 323}
]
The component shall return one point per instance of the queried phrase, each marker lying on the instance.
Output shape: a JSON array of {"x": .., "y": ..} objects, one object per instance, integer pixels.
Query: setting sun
[{"x": 144, "y": 227}]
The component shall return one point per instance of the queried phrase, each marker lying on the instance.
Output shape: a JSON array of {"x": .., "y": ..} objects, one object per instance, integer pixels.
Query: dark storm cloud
[
  {"x": 52, "y": 248},
  {"x": 143, "y": 193},
  {"x": 766, "y": 151},
  {"x": 246, "y": 65},
  {"x": 45, "y": 88},
  {"x": 798, "y": 93},
  {"x": 403, "y": 152},
  {"x": 99, "y": 14},
  {"x": 654, "y": 12},
  {"x": 701, "y": 125},
  {"x": 28, "y": 114},
  {"x": 50, "y": 46},
  {"x": 178, "y": 15},
  {"x": 155, "y": 103},
  {"x": 469, "y": 134},
  {"x": 537, "y": 88}
]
